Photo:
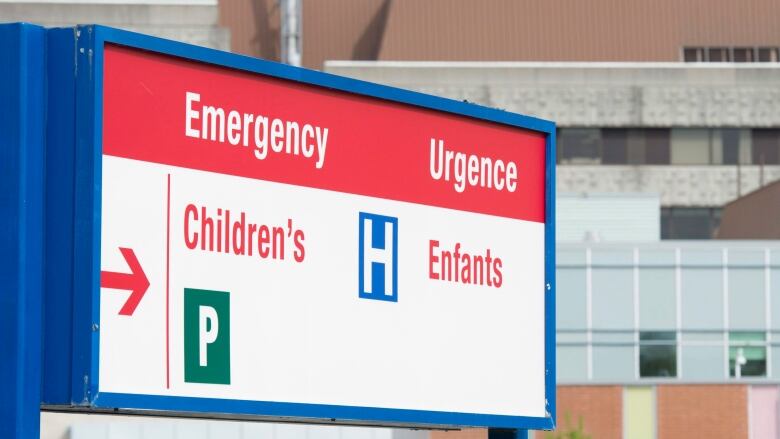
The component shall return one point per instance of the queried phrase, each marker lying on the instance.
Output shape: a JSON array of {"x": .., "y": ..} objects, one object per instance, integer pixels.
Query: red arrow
[{"x": 135, "y": 281}]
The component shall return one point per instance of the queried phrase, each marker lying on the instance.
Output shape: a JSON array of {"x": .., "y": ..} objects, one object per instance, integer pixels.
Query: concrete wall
[
  {"x": 677, "y": 185},
  {"x": 596, "y": 94}
]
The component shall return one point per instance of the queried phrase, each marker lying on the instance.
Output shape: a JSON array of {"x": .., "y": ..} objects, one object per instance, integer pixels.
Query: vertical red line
[{"x": 167, "y": 291}]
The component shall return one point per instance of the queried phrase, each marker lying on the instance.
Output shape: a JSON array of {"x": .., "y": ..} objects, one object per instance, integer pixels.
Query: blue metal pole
[{"x": 22, "y": 107}]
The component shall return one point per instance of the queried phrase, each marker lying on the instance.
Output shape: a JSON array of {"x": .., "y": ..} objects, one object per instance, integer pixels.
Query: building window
[
  {"x": 657, "y": 354},
  {"x": 614, "y": 146},
  {"x": 731, "y": 54},
  {"x": 690, "y": 146},
  {"x": 718, "y": 54},
  {"x": 579, "y": 145},
  {"x": 729, "y": 142},
  {"x": 766, "y": 146},
  {"x": 693, "y": 54},
  {"x": 744, "y": 54},
  {"x": 657, "y": 146},
  {"x": 768, "y": 54},
  {"x": 664, "y": 146},
  {"x": 747, "y": 354},
  {"x": 689, "y": 222}
]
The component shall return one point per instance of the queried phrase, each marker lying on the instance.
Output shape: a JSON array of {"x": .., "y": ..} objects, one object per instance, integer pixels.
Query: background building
[
  {"x": 679, "y": 98},
  {"x": 740, "y": 221},
  {"x": 673, "y": 101},
  {"x": 513, "y": 30}
]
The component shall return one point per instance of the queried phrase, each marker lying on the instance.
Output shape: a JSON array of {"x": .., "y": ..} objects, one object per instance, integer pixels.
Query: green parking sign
[{"x": 206, "y": 336}]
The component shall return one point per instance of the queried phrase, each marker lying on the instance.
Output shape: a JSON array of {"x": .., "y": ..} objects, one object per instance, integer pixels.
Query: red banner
[{"x": 166, "y": 110}]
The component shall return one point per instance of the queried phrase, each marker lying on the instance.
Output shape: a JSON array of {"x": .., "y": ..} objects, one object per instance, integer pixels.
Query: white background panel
[{"x": 299, "y": 331}]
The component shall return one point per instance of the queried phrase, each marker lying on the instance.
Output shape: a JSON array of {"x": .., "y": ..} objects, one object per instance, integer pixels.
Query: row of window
[
  {"x": 704, "y": 287},
  {"x": 658, "y": 354},
  {"x": 731, "y": 54},
  {"x": 623, "y": 356},
  {"x": 697, "y": 304},
  {"x": 665, "y": 146}
]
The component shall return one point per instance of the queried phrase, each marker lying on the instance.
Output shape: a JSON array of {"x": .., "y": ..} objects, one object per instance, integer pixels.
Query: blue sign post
[{"x": 22, "y": 98}]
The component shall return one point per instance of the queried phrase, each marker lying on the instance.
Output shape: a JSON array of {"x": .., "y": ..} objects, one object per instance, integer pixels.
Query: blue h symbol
[{"x": 378, "y": 269}]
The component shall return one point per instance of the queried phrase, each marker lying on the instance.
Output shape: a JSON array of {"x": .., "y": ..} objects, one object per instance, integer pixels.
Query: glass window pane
[
  {"x": 657, "y": 298},
  {"x": 768, "y": 54},
  {"x": 689, "y": 223},
  {"x": 690, "y": 146},
  {"x": 613, "y": 363},
  {"x": 615, "y": 146},
  {"x": 743, "y": 54},
  {"x": 702, "y": 298},
  {"x": 658, "y": 361},
  {"x": 693, "y": 54},
  {"x": 766, "y": 146},
  {"x": 666, "y": 223},
  {"x": 657, "y": 354},
  {"x": 775, "y": 364},
  {"x": 657, "y": 146},
  {"x": 752, "y": 361},
  {"x": 745, "y": 146},
  {"x": 746, "y": 337},
  {"x": 718, "y": 54},
  {"x": 729, "y": 142},
  {"x": 580, "y": 145},
  {"x": 657, "y": 336},
  {"x": 572, "y": 364},
  {"x": 747, "y": 352},
  {"x": 703, "y": 363},
  {"x": 570, "y": 292},
  {"x": 613, "y": 298},
  {"x": 636, "y": 147},
  {"x": 774, "y": 292},
  {"x": 746, "y": 298},
  {"x": 714, "y": 336}
]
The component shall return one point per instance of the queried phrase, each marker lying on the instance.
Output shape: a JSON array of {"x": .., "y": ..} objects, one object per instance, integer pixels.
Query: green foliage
[{"x": 568, "y": 431}]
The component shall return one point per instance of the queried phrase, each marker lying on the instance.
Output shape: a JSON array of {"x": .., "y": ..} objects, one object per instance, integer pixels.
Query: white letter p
[{"x": 208, "y": 331}]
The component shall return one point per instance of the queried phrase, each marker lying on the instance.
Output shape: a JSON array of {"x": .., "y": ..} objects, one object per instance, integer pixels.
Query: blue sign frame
[
  {"x": 22, "y": 181},
  {"x": 75, "y": 342}
]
